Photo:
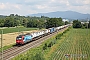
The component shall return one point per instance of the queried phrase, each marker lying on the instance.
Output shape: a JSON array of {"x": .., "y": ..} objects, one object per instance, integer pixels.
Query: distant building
[
  {"x": 65, "y": 20},
  {"x": 84, "y": 22}
]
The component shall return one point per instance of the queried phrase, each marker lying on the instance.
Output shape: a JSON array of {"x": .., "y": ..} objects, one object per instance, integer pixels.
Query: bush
[
  {"x": 83, "y": 27},
  {"x": 77, "y": 24},
  {"x": 58, "y": 36},
  {"x": 45, "y": 46},
  {"x": 38, "y": 56},
  {"x": 54, "y": 41},
  {"x": 50, "y": 44}
]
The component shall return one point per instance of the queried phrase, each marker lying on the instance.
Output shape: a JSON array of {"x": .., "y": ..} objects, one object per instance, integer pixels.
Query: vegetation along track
[{"x": 11, "y": 52}]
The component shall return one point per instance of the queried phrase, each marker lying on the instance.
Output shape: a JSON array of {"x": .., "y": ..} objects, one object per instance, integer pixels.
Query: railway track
[{"x": 12, "y": 52}]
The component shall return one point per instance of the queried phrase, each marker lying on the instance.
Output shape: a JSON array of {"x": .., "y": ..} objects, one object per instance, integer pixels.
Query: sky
[{"x": 26, "y": 7}]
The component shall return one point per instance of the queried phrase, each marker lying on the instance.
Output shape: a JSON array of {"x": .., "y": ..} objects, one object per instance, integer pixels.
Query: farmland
[
  {"x": 16, "y": 29},
  {"x": 76, "y": 46},
  {"x": 73, "y": 45},
  {"x": 9, "y": 34}
]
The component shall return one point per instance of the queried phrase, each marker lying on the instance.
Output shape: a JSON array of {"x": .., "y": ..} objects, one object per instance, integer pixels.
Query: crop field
[
  {"x": 19, "y": 29},
  {"x": 75, "y": 46},
  {"x": 9, "y": 34}
]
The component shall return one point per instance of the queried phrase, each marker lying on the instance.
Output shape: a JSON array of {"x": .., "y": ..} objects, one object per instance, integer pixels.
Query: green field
[
  {"x": 72, "y": 45},
  {"x": 19, "y": 29},
  {"x": 76, "y": 46}
]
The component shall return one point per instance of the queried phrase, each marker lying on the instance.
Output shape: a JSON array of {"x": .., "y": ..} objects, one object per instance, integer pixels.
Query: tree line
[
  {"x": 78, "y": 24},
  {"x": 28, "y": 21}
]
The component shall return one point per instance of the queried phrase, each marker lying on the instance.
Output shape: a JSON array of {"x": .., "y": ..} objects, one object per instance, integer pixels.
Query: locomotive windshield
[{"x": 19, "y": 38}]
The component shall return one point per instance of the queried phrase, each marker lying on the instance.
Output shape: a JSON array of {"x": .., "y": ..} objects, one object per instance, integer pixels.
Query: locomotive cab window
[{"x": 19, "y": 38}]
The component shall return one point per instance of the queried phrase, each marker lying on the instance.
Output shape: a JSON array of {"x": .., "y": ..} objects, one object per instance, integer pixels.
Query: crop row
[{"x": 74, "y": 47}]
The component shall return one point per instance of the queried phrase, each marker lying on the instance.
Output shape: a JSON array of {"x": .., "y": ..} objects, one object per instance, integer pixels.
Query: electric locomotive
[{"x": 22, "y": 39}]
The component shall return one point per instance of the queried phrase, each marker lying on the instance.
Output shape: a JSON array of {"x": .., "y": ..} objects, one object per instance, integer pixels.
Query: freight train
[{"x": 25, "y": 38}]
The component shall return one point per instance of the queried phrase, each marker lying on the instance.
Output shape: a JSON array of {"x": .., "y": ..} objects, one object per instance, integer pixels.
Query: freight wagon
[{"x": 22, "y": 39}]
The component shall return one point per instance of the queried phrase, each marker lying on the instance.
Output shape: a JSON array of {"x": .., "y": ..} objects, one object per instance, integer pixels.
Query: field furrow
[{"x": 76, "y": 46}]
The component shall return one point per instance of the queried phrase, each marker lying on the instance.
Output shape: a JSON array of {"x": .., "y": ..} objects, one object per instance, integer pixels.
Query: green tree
[
  {"x": 53, "y": 22},
  {"x": 9, "y": 22},
  {"x": 40, "y": 24},
  {"x": 16, "y": 22},
  {"x": 36, "y": 23},
  {"x": 25, "y": 21},
  {"x": 11, "y": 15},
  {"x": 89, "y": 25},
  {"x": 66, "y": 22},
  {"x": 77, "y": 24},
  {"x": 1, "y": 22}
]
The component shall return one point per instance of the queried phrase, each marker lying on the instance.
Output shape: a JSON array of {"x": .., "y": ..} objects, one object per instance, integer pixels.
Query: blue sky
[{"x": 25, "y": 7}]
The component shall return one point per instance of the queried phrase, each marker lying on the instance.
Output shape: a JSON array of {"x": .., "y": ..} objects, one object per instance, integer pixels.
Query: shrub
[
  {"x": 45, "y": 46},
  {"x": 83, "y": 27},
  {"x": 50, "y": 44},
  {"x": 38, "y": 56}
]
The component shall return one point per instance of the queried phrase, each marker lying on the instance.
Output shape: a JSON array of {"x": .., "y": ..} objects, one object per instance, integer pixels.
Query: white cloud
[
  {"x": 2, "y": 6},
  {"x": 9, "y": 6},
  {"x": 25, "y": 7},
  {"x": 87, "y": 2},
  {"x": 79, "y": 2}
]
